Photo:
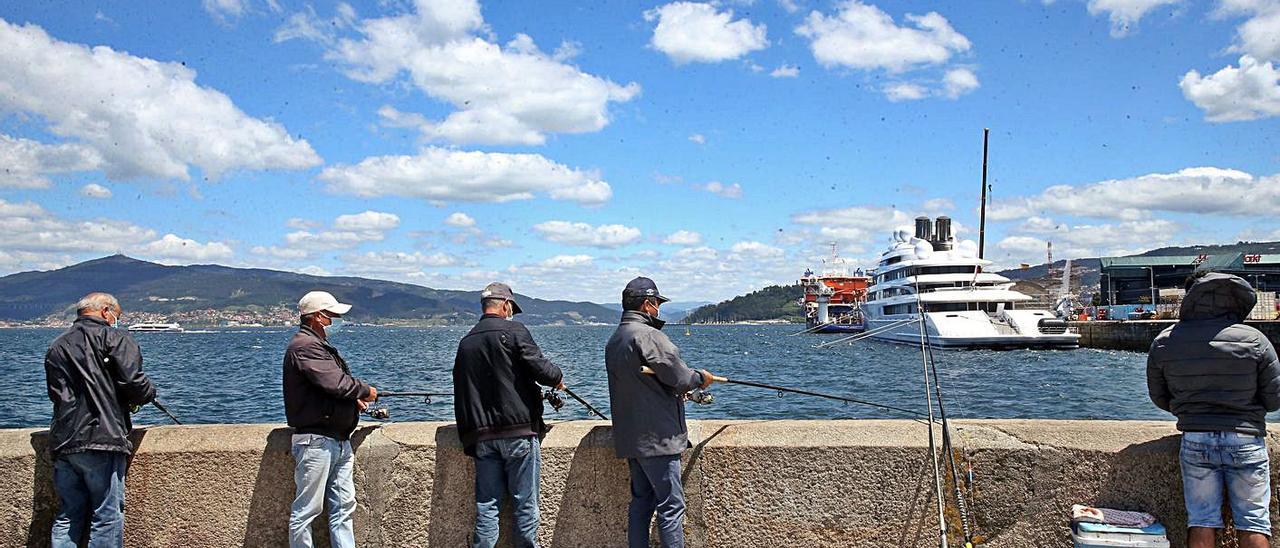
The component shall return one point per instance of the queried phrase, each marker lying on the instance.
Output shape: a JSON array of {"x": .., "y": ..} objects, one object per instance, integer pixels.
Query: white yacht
[
  {"x": 156, "y": 327},
  {"x": 962, "y": 305}
]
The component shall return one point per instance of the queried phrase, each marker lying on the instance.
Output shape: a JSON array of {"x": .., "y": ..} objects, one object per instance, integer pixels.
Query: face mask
[
  {"x": 335, "y": 325},
  {"x": 116, "y": 323},
  {"x": 511, "y": 311}
]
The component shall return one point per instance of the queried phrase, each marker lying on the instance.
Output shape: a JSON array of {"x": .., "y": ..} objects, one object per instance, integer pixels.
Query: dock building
[{"x": 1144, "y": 279}]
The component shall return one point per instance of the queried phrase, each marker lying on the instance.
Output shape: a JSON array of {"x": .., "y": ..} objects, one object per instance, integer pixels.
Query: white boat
[
  {"x": 963, "y": 306},
  {"x": 156, "y": 327}
]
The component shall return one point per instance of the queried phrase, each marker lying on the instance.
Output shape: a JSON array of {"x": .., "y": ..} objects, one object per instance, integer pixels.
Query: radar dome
[
  {"x": 923, "y": 249},
  {"x": 967, "y": 248}
]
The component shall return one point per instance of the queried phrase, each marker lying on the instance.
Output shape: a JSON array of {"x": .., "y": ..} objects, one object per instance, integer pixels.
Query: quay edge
[{"x": 749, "y": 483}]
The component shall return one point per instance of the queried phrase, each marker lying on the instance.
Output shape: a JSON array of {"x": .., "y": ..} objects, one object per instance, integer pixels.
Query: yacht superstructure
[{"x": 930, "y": 273}]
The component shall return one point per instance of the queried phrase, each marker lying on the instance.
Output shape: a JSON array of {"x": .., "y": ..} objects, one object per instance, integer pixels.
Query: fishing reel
[
  {"x": 700, "y": 396},
  {"x": 553, "y": 398},
  {"x": 377, "y": 412}
]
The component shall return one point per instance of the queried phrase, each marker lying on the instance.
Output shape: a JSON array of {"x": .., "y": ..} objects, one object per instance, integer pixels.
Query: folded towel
[{"x": 1120, "y": 518}]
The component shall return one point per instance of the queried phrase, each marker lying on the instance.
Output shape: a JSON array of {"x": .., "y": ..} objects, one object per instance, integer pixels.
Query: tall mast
[{"x": 982, "y": 212}]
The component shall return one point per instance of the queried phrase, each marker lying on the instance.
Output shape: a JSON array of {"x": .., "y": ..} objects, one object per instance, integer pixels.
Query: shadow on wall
[
  {"x": 453, "y": 494},
  {"x": 593, "y": 509},
  {"x": 1141, "y": 474},
  {"x": 44, "y": 503},
  {"x": 268, "y": 523}
]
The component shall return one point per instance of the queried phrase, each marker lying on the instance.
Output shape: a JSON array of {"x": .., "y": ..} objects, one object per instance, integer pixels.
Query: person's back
[
  {"x": 1219, "y": 377},
  {"x": 498, "y": 406},
  {"x": 93, "y": 373}
]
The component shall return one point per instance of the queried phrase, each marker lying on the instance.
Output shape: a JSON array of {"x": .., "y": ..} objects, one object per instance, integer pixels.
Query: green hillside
[{"x": 776, "y": 302}]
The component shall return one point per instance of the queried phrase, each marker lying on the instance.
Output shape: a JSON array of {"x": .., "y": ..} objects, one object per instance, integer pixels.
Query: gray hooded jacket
[
  {"x": 1210, "y": 370},
  {"x": 648, "y": 410}
]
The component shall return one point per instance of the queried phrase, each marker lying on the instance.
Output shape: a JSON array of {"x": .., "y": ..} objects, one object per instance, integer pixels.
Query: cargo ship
[{"x": 833, "y": 298}]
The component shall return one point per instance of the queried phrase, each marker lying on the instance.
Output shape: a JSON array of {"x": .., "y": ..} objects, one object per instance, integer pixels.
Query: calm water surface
[{"x": 233, "y": 376}]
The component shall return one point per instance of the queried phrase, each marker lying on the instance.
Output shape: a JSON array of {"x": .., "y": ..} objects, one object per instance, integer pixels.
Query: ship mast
[{"x": 982, "y": 215}]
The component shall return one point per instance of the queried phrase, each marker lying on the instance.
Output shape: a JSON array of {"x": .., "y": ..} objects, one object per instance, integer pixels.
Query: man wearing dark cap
[
  {"x": 498, "y": 406},
  {"x": 648, "y": 413}
]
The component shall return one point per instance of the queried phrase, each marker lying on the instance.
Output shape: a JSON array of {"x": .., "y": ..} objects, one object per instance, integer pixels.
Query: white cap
[{"x": 316, "y": 301}]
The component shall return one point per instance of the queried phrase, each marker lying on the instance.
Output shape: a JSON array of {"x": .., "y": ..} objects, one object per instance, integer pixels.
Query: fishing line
[
  {"x": 865, "y": 334},
  {"x": 915, "y": 414}
]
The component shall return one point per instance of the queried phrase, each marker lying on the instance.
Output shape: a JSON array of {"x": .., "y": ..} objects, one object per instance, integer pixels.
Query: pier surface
[
  {"x": 749, "y": 483},
  {"x": 1136, "y": 335}
]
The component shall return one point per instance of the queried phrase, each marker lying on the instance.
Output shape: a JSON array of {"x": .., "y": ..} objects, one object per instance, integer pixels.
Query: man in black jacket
[
  {"x": 1220, "y": 378},
  {"x": 94, "y": 375},
  {"x": 498, "y": 406},
  {"x": 322, "y": 402}
]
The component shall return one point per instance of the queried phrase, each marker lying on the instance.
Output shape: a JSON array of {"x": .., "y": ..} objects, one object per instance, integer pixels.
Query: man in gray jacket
[
  {"x": 1220, "y": 378},
  {"x": 648, "y": 413}
]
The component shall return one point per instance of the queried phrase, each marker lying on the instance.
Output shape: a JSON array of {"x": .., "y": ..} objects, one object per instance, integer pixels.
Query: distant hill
[
  {"x": 150, "y": 288},
  {"x": 776, "y": 302},
  {"x": 1215, "y": 249}
]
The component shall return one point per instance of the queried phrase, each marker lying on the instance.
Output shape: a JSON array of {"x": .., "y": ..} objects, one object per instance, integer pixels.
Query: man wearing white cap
[{"x": 322, "y": 402}]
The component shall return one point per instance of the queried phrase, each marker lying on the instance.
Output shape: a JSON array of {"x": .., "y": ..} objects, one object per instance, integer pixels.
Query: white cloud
[
  {"x": 606, "y": 236},
  {"x": 382, "y": 262},
  {"x": 306, "y": 25},
  {"x": 785, "y": 71},
  {"x": 348, "y": 231},
  {"x": 1259, "y": 36},
  {"x": 860, "y": 223},
  {"x": 732, "y": 191},
  {"x": 683, "y": 237},
  {"x": 444, "y": 175},
  {"x": 1077, "y": 241},
  {"x": 94, "y": 190},
  {"x": 789, "y": 6},
  {"x": 693, "y": 32},
  {"x": 698, "y": 138},
  {"x": 1233, "y": 94},
  {"x": 904, "y": 91},
  {"x": 755, "y": 250},
  {"x": 959, "y": 81},
  {"x": 1125, "y": 14},
  {"x": 224, "y": 11},
  {"x": 1199, "y": 190},
  {"x": 143, "y": 118},
  {"x": 171, "y": 248},
  {"x": 566, "y": 261},
  {"x": 27, "y": 226},
  {"x": 938, "y": 205},
  {"x": 24, "y": 163},
  {"x": 862, "y": 36},
  {"x": 458, "y": 219},
  {"x": 512, "y": 94}
]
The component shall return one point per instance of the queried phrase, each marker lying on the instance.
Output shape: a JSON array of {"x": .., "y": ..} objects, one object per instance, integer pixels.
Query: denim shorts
[{"x": 1214, "y": 463}]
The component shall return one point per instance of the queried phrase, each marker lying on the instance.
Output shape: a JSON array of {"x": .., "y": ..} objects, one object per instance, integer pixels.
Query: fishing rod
[
  {"x": 933, "y": 451},
  {"x": 585, "y": 404},
  {"x": 162, "y": 409},
  {"x": 647, "y": 371},
  {"x": 865, "y": 334},
  {"x": 812, "y": 329},
  {"x": 961, "y": 506}
]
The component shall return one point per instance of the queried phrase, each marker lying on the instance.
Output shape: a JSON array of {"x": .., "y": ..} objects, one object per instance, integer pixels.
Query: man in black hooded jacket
[
  {"x": 1220, "y": 378},
  {"x": 94, "y": 375}
]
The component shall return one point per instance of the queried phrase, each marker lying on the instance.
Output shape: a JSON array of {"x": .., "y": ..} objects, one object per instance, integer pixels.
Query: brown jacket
[{"x": 319, "y": 392}]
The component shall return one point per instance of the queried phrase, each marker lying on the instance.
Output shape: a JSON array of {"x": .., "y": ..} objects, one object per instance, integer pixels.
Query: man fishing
[
  {"x": 1220, "y": 378},
  {"x": 648, "y": 413},
  {"x": 322, "y": 402},
  {"x": 498, "y": 406},
  {"x": 94, "y": 375}
]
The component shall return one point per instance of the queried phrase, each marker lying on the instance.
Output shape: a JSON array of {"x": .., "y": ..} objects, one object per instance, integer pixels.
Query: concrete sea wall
[
  {"x": 1137, "y": 335},
  {"x": 749, "y": 483}
]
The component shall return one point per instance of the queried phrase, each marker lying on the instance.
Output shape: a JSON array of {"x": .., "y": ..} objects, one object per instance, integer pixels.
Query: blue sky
[{"x": 565, "y": 147}]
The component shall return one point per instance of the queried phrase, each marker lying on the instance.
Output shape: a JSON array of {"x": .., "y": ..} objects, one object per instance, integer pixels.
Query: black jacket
[
  {"x": 319, "y": 392},
  {"x": 94, "y": 375},
  {"x": 648, "y": 410},
  {"x": 495, "y": 382},
  {"x": 1209, "y": 369}
]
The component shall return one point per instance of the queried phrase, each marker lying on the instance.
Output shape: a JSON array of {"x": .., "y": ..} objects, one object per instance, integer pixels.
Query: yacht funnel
[{"x": 924, "y": 228}]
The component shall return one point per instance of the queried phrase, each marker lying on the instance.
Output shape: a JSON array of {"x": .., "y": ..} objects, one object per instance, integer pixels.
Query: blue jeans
[
  {"x": 1238, "y": 463},
  {"x": 656, "y": 488},
  {"x": 90, "y": 488},
  {"x": 507, "y": 465},
  {"x": 322, "y": 475}
]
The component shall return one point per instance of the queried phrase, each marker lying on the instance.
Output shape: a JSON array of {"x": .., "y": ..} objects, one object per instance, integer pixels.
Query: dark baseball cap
[
  {"x": 499, "y": 290},
  {"x": 643, "y": 287}
]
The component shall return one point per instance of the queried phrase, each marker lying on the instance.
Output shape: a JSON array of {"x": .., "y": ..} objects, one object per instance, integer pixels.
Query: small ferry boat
[
  {"x": 156, "y": 328},
  {"x": 831, "y": 299},
  {"x": 932, "y": 274}
]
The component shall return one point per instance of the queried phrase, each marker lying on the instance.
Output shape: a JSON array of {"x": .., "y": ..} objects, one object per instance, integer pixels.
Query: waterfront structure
[
  {"x": 1142, "y": 279},
  {"x": 963, "y": 306}
]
